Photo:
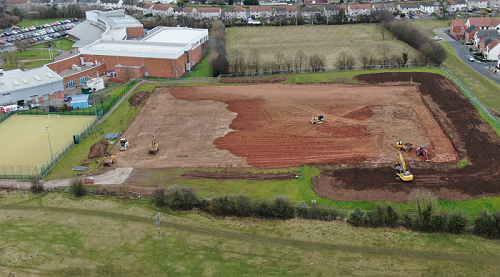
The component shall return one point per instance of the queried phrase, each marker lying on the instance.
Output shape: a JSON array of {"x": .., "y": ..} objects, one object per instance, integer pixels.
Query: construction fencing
[{"x": 25, "y": 172}]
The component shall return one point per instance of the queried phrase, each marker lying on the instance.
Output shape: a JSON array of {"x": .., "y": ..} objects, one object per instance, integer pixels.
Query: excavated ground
[{"x": 267, "y": 126}]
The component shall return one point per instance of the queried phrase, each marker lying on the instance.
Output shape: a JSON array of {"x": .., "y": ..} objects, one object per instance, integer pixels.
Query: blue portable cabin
[{"x": 80, "y": 101}]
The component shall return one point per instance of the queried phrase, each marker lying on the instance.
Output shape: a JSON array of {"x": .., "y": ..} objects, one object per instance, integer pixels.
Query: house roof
[
  {"x": 457, "y": 22},
  {"x": 260, "y": 9},
  {"x": 177, "y": 9},
  {"x": 147, "y": 6},
  {"x": 495, "y": 22},
  {"x": 208, "y": 10},
  {"x": 461, "y": 2},
  {"x": 409, "y": 6},
  {"x": 487, "y": 33},
  {"x": 162, "y": 7},
  {"x": 360, "y": 7},
  {"x": 493, "y": 44},
  {"x": 188, "y": 10},
  {"x": 480, "y": 21},
  {"x": 471, "y": 29},
  {"x": 383, "y": 6},
  {"x": 310, "y": 9},
  {"x": 451, "y": 2}
]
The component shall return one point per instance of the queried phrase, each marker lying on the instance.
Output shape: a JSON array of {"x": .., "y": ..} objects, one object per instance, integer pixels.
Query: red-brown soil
[
  {"x": 268, "y": 126},
  {"x": 138, "y": 98}
]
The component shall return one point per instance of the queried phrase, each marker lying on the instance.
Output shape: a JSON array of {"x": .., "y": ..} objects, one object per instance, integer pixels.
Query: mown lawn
[
  {"x": 58, "y": 235},
  {"x": 25, "y": 65}
]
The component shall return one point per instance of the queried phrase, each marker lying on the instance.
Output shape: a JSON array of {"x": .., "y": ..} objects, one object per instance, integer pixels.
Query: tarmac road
[{"x": 462, "y": 51}]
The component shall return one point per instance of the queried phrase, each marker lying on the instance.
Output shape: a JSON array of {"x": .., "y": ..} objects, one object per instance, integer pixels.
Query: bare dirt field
[{"x": 268, "y": 126}]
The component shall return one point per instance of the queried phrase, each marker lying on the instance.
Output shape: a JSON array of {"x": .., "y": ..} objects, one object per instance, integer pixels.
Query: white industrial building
[{"x": 18, "y": 86}]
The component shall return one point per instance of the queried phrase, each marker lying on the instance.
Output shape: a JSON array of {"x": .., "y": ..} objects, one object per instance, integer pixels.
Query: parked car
[
  {"x": 469, "y": 43},
  {"x": 471, "y": 58},
  {"x": 436, "y": 38},
  {"x": 67, "y": 98}
]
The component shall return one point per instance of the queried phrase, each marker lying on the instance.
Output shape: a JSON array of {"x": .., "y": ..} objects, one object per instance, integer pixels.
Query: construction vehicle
[
  {"x": 403, "y": 174},
  {"x": 422, "y": 151},
  {"x": 403, "y": 146},
  {"x": 153, "y": 148},
  {"x": 123, "y": 144},
  {"x": 108, "y": 161},
  {"x": 88, "y": 180},
  {"x": 320, "y": 119}
]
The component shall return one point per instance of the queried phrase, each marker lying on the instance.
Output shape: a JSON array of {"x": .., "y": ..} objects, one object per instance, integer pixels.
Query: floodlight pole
[
  {"x": 158, "y": 223},
  {"x": 95, "y": 105},
  {"x": 50, "y": 145}
]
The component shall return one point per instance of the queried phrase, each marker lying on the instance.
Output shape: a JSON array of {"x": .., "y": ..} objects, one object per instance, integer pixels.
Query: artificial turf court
[{"x": 24, "y": 142}]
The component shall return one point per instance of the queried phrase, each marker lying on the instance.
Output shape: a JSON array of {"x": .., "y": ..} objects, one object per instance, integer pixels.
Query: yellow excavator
[
  {"x": 403, "y": 174},
  {"x": 320, "y": 119},
  {"x": 403, "y": 146}
]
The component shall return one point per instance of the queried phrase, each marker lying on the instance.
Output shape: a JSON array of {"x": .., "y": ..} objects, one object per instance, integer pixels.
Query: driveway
[{"x": 462, "y": 51}]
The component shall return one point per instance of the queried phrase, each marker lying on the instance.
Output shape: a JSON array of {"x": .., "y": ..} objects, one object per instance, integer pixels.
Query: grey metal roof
[
  {"x": 87, "y": 32},
  {"x": 471, "y": 28},
  {"x": 16, "y": 79},
  {"x": 487, "y": 33}
]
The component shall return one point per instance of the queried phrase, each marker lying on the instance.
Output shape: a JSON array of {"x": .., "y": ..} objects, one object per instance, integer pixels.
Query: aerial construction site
[{"x": 269, "y": 126}]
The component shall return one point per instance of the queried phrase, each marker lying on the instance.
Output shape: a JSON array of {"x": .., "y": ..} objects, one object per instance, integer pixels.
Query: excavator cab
[
  {"x": 403, "y": 174},
  {"x": 422, "y": 151},
  {"x": 403, "y": 146}
]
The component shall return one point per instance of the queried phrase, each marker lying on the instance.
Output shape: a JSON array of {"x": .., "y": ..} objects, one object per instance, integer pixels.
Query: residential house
[
  {"x": 470, "y": 32},
  {"x": 495, "y": 23},
  {"x": 111, "y": 4},
  {"x": 209, "y": 13},
  {"x": 260, "y": 11},
  {"x": 493, "y": 3},
  {"x": 234, "y": 13},
  {"x": 483, "y": 37},
  {"x": 63, "y": 2},
  {"x": 359, "y": 9},
  {"x": 316, "y": 1},
  {"x": 176, "y": 12},
  {"x": 477, "y": 4},
  {"x": 310, "y": 13},
  {"x": 482, "y": 23},
  {"x": 147, "y": 9},
  {"x": 88, "y": 2},
  {"x": 492, "y": 50},
  {"x": 428, "y": 8},
  {"x": 190, "y": 12},
  {"x": 461, "y": 5},
  {"x": 451, "y": 6},
  {"x": 457, "y": 29},
  {"x": 288, "y": 11},
  {"x": 408, "y": 9},
  {"x": 380, "y": 7},
  {"x": 163, "y": 10}
]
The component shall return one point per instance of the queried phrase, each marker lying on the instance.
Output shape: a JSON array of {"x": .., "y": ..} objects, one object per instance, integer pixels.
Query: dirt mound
[
  {"x": 116, "y": 80},
  {"x": 361, "y": 114},
  {"x": 474, "y": 138},
  {"x": 100, "y": 149},
  {"x": 138, "y": 98},
  {"x": 253, "y": 81},
  {"x": 225, "y": 175}
]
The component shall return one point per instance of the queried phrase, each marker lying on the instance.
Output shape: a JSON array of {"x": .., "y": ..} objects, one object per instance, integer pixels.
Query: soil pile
[
  {"x": 100, "y": 149},
  {"x": 138, "y": 98}
]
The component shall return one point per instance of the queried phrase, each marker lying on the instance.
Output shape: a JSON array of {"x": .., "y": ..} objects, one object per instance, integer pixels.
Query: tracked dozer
[
  {"x": 320, "y": 119},
  {"x": 403, "y": 146},
  {"x": 153, "y": 148},
  {"x": 403, "y": 174}
]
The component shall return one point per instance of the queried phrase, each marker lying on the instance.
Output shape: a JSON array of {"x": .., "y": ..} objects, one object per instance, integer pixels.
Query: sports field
[
  {"x": 326, "y": 40},
  {"x": 25, "y": 143}
]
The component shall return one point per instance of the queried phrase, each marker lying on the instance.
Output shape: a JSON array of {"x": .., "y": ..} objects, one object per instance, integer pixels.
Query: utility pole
[{"x": 158, "y": 223}]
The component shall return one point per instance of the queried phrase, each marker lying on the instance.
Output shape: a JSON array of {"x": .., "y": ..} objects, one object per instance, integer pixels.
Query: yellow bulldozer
[
  {"x": 153, "y": 148},
  {"x": 403, "y": 146},
  {"x": 403, "y": 173},
  {"x": 320, "y": 119}
]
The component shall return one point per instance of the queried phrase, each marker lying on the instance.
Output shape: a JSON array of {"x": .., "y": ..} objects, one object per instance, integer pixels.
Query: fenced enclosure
[{"x": 29, "y": 148}]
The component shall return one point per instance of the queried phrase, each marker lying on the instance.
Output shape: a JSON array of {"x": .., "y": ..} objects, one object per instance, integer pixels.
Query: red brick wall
[
  {"x": 90, "y": 73},
  {"x": 57, "y": 95},
  {"x": 134, "y": 32},
  {"x": 456, "y": 31},
  {"x": 64, "y": 64}
]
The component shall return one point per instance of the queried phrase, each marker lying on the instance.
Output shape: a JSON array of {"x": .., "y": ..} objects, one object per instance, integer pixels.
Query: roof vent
[
  {"x": 24, "y": 80},
  {"x": 15, "y": 82},
  {"x": 50, "y": 75},
  {"x": 37, "y": 78}
]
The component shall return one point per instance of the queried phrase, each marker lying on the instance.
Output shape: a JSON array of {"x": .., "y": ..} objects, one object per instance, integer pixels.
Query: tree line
[{"x": 12, "y": 16}]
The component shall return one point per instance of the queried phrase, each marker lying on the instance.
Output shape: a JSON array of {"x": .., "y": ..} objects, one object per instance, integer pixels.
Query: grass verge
[{"x": 57, "y": 235}]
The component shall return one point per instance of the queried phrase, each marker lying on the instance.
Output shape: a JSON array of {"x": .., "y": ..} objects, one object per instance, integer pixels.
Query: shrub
[
  {"x": 457, "y": 222},
  {"x": 487, "y": 225},
  {"x": 263, "y": 209},
  {"x": 159, "y": 197},
  {"x": 357, "y": 218},
  {"x": 241, "y": 205},
  {"x": 124, "y": 190},
  {"x": 76, "y": 187},
  {"x": 181, "y": 198},
  {"x": 392, "y": 216},
  {"x": 283, "y": 208},
  {"x": 36, "y": 186}
]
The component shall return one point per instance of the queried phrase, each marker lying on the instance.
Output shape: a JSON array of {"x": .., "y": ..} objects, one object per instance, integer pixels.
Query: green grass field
[
  {"x": 57, "y": 235},
  {"x": 328, "y": 41},
  {"x": 24, "y": 142},
  {"x": 25, "y": 65}
]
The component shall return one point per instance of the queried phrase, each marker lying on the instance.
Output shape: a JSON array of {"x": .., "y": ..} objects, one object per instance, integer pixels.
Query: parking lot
[{"x": 37, "y": 34}]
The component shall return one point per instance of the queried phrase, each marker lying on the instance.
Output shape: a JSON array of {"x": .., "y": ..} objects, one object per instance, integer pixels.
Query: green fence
[
  {"x": 475, "y": 101},
  {"x": 26, "y": 172}
]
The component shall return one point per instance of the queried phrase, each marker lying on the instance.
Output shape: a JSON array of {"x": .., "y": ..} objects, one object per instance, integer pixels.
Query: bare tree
[
  {"x": 279, "y": 59},
  {"x": 381, "y": 30},
  {"x": 384, "y": 52},
  {"x": 254, "y": 62},
  {"x": 316, "y": 62},
  {"x": 364, "y": 59},
  {"x": 289, "y": 64},
  {"x": 345, "y": 61},
  {"x": 300, "y": 60}
]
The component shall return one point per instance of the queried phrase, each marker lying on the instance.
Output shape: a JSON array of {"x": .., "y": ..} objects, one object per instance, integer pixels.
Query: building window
[
  {"x": 82, "y": 80},
  {"x": 70, "y": 83}
]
